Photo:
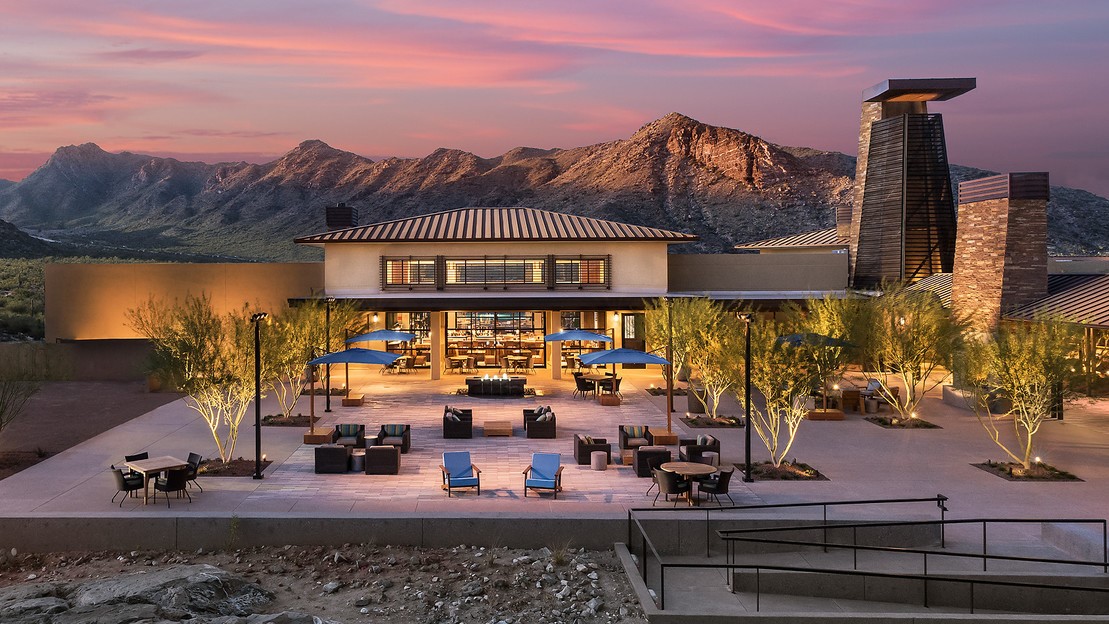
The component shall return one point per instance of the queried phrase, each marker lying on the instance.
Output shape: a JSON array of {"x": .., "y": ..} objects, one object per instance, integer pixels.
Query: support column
[
  {"x": 554, "y": 349},
  {"x": 438, "y": 345}
]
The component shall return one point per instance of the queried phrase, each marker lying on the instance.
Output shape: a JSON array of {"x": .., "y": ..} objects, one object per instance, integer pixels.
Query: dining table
[
  {"x": 689, "y": 470},
  {"x": 153, "y": 467}
]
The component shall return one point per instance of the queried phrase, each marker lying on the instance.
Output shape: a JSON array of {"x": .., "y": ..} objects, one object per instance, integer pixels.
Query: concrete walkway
[{"x": 861, "y": 460}]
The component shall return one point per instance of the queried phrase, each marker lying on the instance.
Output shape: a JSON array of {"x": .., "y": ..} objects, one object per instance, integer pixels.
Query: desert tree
[
  {"x": 825, "y": 327},
  {"x": 293, "y": 336},
  {"x": 1025, "y": 363},
  {"x": 207, "y": 356},
  {"x": 17, "y": 385},
  {"x": 719, "y": 352},
  {"x": 684, "y": 322},
  {"x": 911, "y": 339},
  {"x": 784, "y": 375}
]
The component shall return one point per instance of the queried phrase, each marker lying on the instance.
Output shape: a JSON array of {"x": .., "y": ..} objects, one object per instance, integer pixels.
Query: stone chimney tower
[
  {"x": 901, "y": 224},
  {"x": 1001, "y": 252}
]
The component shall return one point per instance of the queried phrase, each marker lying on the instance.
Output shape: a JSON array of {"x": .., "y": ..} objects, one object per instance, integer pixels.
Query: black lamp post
[
  {"x": 746, "y": 318},
  {"x": 257, "y": 320},
  {"x": 327, "y": 348}
]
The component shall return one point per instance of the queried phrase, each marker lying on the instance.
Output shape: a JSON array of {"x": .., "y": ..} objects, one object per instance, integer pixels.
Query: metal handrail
[
  {"x": 729, "y": 536},
  {"x": 940, "y": 500},
  {"x": 894, "y": 575}
]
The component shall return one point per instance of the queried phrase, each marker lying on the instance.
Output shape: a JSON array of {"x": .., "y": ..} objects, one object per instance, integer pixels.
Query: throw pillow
[
  {"x": 587, "y": 439},
  {"x": 457, "y": 411},
  {"x": 636, "y": 431},
  {"x": 703, "y": 440},
  {"x": 453, "y": 417}
]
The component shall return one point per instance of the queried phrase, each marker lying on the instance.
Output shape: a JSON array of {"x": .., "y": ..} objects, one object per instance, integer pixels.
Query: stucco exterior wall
[
  {"x": 782, "y": 271},
  {"x": 90, "y": 301},
  {"x": 354, "y": 269}
]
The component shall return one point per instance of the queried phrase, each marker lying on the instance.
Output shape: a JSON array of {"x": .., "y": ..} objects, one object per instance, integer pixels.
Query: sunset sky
[{"x": 248, "y": 80}]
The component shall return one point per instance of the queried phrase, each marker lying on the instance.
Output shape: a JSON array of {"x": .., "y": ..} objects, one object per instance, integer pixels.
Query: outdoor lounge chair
[
  {"x": 635, "y": 436},
  {"x": 174, "y": 481},
  {"x": 691, "y": 449},
  {"x": 332, "y": 458},
  {"x": 349, "y": 435},
  {"x": 384, "y": 459},
  {"x": 670, "y": 483},
  {"x": 645, "y": 458},
  {"x": 458, "y": 423},
  {"x": 126, "y": 483},
  {"x": 584, "y": 448},
  {"x": 539, "y": 423},
  {"x": 397, "y": 435},
  {"x": 459, "y": 472},
  {"x": 717, "y": 485},
  {"x": 544, "y": 473}
]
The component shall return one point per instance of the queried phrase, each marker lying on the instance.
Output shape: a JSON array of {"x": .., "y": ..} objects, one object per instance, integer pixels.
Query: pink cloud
[{"x": 144, "y": 55}]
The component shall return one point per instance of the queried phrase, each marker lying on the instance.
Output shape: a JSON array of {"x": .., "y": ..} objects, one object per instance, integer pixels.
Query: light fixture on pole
[
  {"x": 746, "y": 317},
  {"x": 669, "y": 367},
  {"x": 257, "y": 319},
  {"x": 327, "y": 348}
]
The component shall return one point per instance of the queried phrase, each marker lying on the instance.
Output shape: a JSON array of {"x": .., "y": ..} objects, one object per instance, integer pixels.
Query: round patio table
[{"x": 689, "y": 470}]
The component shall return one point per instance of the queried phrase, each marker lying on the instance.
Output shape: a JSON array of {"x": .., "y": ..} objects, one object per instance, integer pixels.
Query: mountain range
[{"x": 725, "y": 185}]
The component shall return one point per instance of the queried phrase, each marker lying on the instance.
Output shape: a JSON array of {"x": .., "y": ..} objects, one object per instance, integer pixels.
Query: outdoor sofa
[
  {"x": 634, "y": 436},
  {"x": 458, "y": 424},
  {"x": 397, "y": 435},
  {"x": 349, "y": 435},
  {"x": 647, "y": 458},
  {"x": 384, "y": 459},
  {"x": 585, "y": 445},
  {"x": 539, "y": 422},
  {"x": 691, "y": 449}
]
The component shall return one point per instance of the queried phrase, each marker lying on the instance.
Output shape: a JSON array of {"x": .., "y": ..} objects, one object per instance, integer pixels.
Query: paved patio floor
[{"x": 861, "y": 460}]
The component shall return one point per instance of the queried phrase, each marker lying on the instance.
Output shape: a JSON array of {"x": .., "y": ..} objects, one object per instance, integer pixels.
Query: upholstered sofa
[
  {"x": 583, "y": 448},
  {"x": 397, "y": 435},
  {"x": 349, "y": 435},
  {"x": 634, "y": 436},
  {"x": 539, "y": 422},
  {"x": 458, "y": 423},
  {"x": 690, "y": 449}
]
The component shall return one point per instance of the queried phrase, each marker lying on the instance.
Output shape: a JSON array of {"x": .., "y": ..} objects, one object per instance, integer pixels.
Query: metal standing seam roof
[
  {"x": 1079, "y": 298},
  {"x": 496, "y": 224},
  {"x": 819, "y": 238}
]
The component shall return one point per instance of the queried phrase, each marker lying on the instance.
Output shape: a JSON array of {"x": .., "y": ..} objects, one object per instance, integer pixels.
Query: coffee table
[{"x": 497, "y": 428}]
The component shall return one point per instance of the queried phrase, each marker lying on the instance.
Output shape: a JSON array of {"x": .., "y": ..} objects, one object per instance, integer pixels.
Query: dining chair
[
  {"x": 193, "y": 468},
  {"x": 670, "y": 483},
  {"x": 174, "y": 481},
  {"x": 718, "y": 484},
  {"x": 127, "y": 483},
  {"x": 136, "y": 457}
]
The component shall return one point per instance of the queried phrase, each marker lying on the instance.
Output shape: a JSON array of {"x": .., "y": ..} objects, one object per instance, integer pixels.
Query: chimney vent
[{"x": 341, "y": 217}]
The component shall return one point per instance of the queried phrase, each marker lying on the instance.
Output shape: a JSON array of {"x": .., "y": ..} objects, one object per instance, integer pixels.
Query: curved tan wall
[{"x": 90, "y": 301}]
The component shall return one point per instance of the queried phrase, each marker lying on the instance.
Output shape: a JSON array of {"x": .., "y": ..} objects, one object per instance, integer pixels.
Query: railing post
[
  {"x": 661, "y": 586},
  {"x": 825, "y": 506},
  {"x": 984, "y": 560},
  {"x": 1105, "y": 545},
  {"x": 943, "y": 520},
  {"x": 972, "y": 596},
  {"x": 855, "y": 543},
  {"x": 758, "y": 590},
  {"x": 644, "y": 557},
  {"x": 707, "y": 535},
  {"x": 629, "y": 528},
  {"x": 925, "y": 593}
]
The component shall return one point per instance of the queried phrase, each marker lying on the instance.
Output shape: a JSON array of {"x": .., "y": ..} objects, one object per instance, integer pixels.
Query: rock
[
  {"x": 287, "y": 617},
  {"x": 198, "y": 589},
  {"x": 473, "y": 588},
  {"x": 32, "y": 606},
  {"x": 596, "y": 604},
  {"x": 331, "y": 587},
  {"x": 362, "y": 601}
]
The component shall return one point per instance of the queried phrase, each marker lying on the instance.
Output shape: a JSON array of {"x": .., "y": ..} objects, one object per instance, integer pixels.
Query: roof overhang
[{"x": 918, "y": 89}]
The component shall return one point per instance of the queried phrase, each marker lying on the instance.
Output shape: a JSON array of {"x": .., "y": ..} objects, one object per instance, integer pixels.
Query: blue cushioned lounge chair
[
  {"x": 545, "y": 473},
  {"x": 458, "y": 472}
]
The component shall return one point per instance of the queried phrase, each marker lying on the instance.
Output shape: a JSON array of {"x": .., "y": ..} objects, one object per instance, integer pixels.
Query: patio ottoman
[
  {"x": 598, "y": 460},
  {"x": 332, "y": 458},
  {"x": 358, "y": 460},
  {"x": 383, "y": 459}
]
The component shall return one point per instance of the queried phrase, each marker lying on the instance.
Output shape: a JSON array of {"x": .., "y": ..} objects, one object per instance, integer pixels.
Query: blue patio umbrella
[
  {"x": 387, "y": 335},
  {"x": 577, "y": 334},
  {"x": 356, "y": 356},
  {"x": 621, "y": 356}
]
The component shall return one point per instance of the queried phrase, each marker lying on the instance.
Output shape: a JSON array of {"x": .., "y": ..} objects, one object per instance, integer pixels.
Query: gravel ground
[{"x": 366, "y": 583}]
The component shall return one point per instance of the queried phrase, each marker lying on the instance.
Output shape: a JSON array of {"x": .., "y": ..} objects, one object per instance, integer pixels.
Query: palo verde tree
[
  {"x": 295, "y": 335},
  {"x": 207, "y": 355},
  {"x": 1026, "y": 363},
  {"x": 683, "y": 322},
  {"x": 718, "y": 354},
  {"x": 912, "y": 339},
  {"x": 17, "y": 385},
  {"x": 784, "y": 375},
  {"x": 825, "y": 327}
]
